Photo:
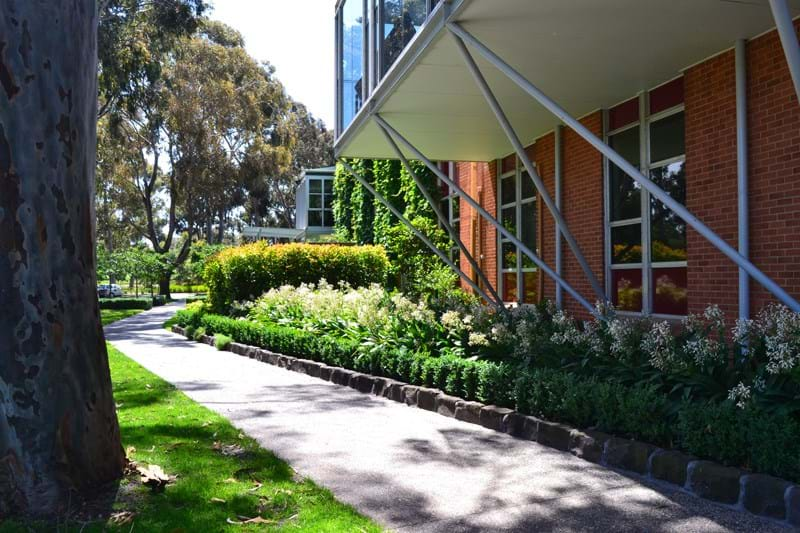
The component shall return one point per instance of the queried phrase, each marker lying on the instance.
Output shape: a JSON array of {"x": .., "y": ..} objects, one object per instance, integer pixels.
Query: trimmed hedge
[
  {"x": 762, "y": 441},
  {"x": 246, "y": 272},
  {"x": 126, "y": 303}
]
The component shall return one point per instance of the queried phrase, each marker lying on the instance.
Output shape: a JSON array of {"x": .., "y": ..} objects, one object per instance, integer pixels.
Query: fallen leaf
[
  {"x": 153, "y": 476},
  {"x": 258, "y": 486},
  {"x": 217, "y": 500},
  {"x": 147, "y": 386},
  {"x": 130, "y": 450},
  {"x": 244, "y": 520},
  {"x": 121, "y": 518},
  {"x": 231, "y": 480}
]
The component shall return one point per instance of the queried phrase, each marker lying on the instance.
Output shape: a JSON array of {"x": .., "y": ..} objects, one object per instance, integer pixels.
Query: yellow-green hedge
[{"x": 246, "y": 272}]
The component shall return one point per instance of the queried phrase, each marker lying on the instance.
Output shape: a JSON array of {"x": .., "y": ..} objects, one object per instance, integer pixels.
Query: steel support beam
[
  {"x": 444, "y": 221},
  {"x": 497, "y": 109},
  {"x": 421, "y": 236},
  {"x": 791, "y": 47},
  {"x": 557, "y": 171},
  {"x": 626, "y": 167},
  {"x": 485, "y": 214},
  {"x": 742, "y": 175}
]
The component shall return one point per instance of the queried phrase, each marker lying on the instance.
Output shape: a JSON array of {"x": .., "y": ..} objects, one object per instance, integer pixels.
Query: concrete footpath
[{"x": 410, "y": 469}]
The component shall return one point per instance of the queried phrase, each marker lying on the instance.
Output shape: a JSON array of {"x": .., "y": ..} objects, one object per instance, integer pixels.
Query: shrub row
[
  {"x": 765, "y": 442},
  {"x": 246, "y": 272},
  {"x": 126, "y": 303}
]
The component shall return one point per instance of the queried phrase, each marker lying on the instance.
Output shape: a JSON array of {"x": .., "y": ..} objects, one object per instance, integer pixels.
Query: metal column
[
  {"x": 629, "y": 169},
  {"x": 443, "y": 220},
  {"x": 786, "y": 31},
  {"x": 492, "y": 220},
  {"x": 528, "y": 164},
  {"x": 421, "y": 236},
  {"x": 742, "y": 175}
]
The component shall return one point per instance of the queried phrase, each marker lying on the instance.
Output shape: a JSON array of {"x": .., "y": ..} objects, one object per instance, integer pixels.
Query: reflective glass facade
[{"x": 351, "y": 30}]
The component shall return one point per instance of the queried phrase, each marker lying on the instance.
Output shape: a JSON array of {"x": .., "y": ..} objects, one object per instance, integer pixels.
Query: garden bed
[{"x": 760, "y": 494}]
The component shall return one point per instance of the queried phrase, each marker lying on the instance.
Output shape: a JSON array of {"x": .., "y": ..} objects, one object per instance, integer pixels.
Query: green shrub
[
  {"x": 176, "y": 287},
  {"x": 222, "y": 342},
  {"x": 126, "y": 303},
  {"x": 199, "y": 333},
  {"x": 188, "y": 330},
  {"x": 245, "y": 272}
]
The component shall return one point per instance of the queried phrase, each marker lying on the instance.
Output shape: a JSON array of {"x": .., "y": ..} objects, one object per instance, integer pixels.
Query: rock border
[{"x": 758, "y": 494}]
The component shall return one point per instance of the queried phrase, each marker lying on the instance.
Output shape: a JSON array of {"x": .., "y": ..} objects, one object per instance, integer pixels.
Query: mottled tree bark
[{"x": 59, "y": 436}]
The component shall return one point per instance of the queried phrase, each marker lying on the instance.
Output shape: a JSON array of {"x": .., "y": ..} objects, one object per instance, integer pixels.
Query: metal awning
[{"x": 588, "y": 54}]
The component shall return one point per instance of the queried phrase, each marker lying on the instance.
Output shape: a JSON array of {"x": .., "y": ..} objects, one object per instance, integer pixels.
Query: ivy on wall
[{"x": 362, "y": 219}]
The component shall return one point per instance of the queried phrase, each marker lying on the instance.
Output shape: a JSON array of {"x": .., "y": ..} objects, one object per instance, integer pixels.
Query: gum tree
[{"x": 59, "y": 436}]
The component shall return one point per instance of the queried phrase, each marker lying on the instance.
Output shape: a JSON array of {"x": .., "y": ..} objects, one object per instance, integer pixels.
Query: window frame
[
  {"x": 518, "y": 204},
  {"x": 645, "y": 219},
  {"x": 322, "y": 209}
]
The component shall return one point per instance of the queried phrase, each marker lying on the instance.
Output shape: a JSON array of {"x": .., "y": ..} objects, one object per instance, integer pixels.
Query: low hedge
[
  {"x": 245, "y": 272},
  {"x": 126, "y": 303},
  {"x": 765, "y": 442}
]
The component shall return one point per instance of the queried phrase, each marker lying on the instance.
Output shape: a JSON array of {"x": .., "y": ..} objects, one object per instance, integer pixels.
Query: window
[
  {"x": 400, "y": 22},
  {"x": 351, "y": 29},
  {"x": 647, "y": 241},
  {"x": 450, "y": 206},
  {"x": 517, "y": 212},
  {"x": 320, "y": 202}
]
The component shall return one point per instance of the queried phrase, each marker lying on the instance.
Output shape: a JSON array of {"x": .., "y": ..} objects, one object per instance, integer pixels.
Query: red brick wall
[
  {"x": 774, "y": 188},
  {"x": 479, "y": 180},
  {"x": 582, "y": 201},
  {"x": 711, "y": 190},
  {"x": 774, "y": 123}
]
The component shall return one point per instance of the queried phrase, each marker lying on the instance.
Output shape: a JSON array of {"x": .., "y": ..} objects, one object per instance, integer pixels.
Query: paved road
[{"x": 409, "y": 469}]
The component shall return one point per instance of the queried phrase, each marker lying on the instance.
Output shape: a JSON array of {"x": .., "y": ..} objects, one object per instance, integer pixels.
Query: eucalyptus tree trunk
[{"x": 59, "y": 436}]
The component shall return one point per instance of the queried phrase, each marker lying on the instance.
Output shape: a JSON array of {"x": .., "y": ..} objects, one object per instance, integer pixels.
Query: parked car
[{"x": 109, "y": 291}]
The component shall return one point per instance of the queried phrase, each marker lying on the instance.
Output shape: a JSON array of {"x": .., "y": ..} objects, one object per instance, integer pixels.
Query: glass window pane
[
  {"x": 402, "y": 19},
  {"x": 667, "y": 138},
  {"x": 509, "y": 256},
  {"x": 315, "y": 218},
  {"x": 314, "y": 186},
  {"x": 455, "y": 202},
  {"x": 626, "y": 244},
  {"x": 528, "y": 188},
  {"x": 328, "y": 222},
  {"x": 529, "y": 232},
  {"x": 328, "y": 184},
  {"x": 668, "y": 231},
  {"x": 530, "y": 287},
  {"x": 509, "y": 287},
  {"x": 315, "y": 201},
  {"x": 352, "y": 35},
  {"x": 508, "y": 190},
  {"x": 669, "y": 291},
  {"x": 626, "y": 144},
  {"x": 626, "y": 199},
  {"x": 626, "y": 292},
  {"x": 328, "y": 201},
  {"x": 509, "y": 219}
]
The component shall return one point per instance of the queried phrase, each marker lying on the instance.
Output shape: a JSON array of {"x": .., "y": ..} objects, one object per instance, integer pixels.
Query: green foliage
[
  {"x": 222, "y": 342},
  {"x": 767, "y": 442},
  {"x": 126, "y": 303},
  {"x": 198, "y": 334},
  {"x": 415, "y": 270},
  {"x": 245, "y": 272}
]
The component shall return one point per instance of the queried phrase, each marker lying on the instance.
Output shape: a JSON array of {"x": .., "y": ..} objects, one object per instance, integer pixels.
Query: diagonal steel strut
[
  {"x": 443, "y": 220},
  {"x": 626, "y": 167},
  {"x": 421, "y": 236},
  {"x": 532, "y": 173},
  {"x": 788, "y": 36},
  {"x": 492, "y": 220}
]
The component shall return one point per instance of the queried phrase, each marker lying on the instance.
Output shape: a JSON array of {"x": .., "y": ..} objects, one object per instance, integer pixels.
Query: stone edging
[{"x": 757, "y": 493}]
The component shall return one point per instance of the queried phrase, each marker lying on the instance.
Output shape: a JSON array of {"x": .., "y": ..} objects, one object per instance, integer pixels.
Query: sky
[{"x": 297, "y": 37}]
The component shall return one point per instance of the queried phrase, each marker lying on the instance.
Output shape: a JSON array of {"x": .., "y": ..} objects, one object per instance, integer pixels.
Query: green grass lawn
[
  {"x": 112, "y": 315},
  {"x": 222, "y": 477}
]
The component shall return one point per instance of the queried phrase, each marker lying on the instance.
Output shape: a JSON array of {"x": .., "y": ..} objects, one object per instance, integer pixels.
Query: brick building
[{"x": 656, "y": 81}]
